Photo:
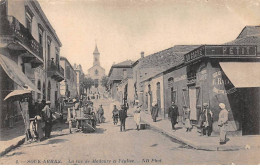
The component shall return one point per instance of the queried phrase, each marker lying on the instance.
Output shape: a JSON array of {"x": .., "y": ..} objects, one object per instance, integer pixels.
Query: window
[
  {"x": 39, "y": 88},
  {"x": 124, "y": 73},
  {"x": 96, "y": 72},
  {"x": 49, "y": 48},
  {"x": 28, "y": 18},
  {"x": 170, "y": 82},
  {"x": 40, "y": 30},
  {"x": 57, "y": 56},
  {"x": 173, "y": 95},
  {"x": 49, "y": 91}
]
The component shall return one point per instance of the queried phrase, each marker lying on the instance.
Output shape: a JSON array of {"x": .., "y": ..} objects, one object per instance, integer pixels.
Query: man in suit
[
  {"x": 173, "y": 114},
  {"x": 122, "y": 117}
]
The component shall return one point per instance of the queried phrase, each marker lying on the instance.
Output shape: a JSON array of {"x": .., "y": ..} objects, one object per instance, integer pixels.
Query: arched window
[
  {"x": 170, "y": 82},
  {"x": 39, "y": 88},
  {"x": 96, "y": 72},
  {"x": 49, "y": 91}
]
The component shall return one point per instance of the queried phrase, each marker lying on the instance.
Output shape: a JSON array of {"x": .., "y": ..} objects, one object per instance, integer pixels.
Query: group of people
[
  {"x": 205, "y": 123},
  {"x": 41, "y": 120}
]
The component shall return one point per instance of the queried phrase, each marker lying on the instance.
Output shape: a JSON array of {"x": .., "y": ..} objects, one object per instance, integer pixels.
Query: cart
[{"x": 85, "y": 122}]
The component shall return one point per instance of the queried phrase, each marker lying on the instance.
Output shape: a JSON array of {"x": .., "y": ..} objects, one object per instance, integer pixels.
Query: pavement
[
  {"x": 11, "y": 137},
  {"x": 194, "y": 140}
]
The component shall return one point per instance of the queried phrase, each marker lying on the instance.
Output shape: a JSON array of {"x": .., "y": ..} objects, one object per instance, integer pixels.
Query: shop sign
[
  {"x": 230, "y": 50},
  {"x": 195, "y": 54}
]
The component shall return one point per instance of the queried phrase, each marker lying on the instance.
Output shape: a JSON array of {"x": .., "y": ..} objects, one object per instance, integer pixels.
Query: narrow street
[{"x": 110, "y": 146}]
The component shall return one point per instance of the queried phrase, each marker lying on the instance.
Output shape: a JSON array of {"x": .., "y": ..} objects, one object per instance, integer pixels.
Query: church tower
[{"x": 96, "y": 57}]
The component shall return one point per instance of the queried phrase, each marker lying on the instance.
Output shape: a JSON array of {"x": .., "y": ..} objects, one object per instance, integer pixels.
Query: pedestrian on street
[
  {"x": 47, "y": 116},
  {"x": 186, "y": 111},
  {"x": 137, "y": 114},
  {"x": 173, "y": 114},
  {"x": 222, "y": 123},
  {"x": 122, "y": 117},
  {"x": 115, "y": 115},
  {"x": 154, "y": 111},
  {"x": 39, "y": 117},
  {"x": 206, "y": 120},
  {"x": 100, "y": 113}
]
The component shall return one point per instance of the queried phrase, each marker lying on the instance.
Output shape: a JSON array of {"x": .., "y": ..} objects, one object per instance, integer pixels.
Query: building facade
[
  {"x": 68, "y": 87},
  {"x": 80, "y": 78},
  {"x": 29, "y": 40}
]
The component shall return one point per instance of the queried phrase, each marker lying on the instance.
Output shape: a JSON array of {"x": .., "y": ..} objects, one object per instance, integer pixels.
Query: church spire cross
[{"x": 96, "y": 50}]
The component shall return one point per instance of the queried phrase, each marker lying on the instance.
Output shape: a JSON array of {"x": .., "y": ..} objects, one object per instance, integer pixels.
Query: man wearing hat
[
  {"x": 122, "y": 117},
  {"x": 154, "y": 111},
  {"x": 222, "y": 123},
  {"x": 47, "y": 117},
  {"x": 173, "y": 114},
  {"x": 206, "y": 120}
]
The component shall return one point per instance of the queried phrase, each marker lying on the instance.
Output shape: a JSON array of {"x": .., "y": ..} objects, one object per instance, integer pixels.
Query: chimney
[{"x": 142, "y": 54}]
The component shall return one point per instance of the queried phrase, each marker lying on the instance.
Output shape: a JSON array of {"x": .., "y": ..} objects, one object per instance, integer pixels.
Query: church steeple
[{"x": 96, "y": 56}]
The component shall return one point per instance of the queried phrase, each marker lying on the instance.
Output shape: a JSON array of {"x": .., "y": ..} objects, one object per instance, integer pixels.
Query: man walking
[
  {"x": 100, "y": 113},
  {"x": 122, "y": 117},
  {"x": 137, "y": 114},
  {"x": 154, "y": 111},
  {"x": 47, "y": 119},
  {"x": 173, "y": 114}
]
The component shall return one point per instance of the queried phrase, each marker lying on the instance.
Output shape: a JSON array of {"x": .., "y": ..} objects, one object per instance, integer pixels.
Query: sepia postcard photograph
[{"x": 129, "y": 82}]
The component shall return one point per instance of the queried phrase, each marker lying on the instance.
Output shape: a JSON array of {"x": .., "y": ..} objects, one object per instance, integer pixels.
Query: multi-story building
[
  {"x": 29, "y": 45},
  {"x": 80, "y": 78},
  {"x": 68, "y": 87}
]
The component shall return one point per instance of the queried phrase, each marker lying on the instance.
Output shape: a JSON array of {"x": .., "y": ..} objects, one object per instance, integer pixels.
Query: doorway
[
  {"x": 192, "y": 99},
  {"x": 250, "y": 110}
]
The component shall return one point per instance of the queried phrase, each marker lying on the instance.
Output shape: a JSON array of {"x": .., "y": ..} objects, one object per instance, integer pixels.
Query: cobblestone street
[{"x": 110, "y": 146}]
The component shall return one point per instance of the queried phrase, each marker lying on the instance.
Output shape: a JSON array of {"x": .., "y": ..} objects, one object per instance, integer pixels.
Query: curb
[
  {"x": 11, "y": 147},
  {"x": 195, "y": 146}
]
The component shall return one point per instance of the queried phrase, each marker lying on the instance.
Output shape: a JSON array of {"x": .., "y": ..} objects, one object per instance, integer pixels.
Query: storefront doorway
[
  {"x": 250, "y": 111},
  {"x": 192, "y": 99}
]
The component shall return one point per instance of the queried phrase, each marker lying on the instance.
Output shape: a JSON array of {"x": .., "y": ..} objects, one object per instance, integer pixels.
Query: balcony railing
[
  {"x": 11, "y": 27},
  {"x": 55, "y": 71}
]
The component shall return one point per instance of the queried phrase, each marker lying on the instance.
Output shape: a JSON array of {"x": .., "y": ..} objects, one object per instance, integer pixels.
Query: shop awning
[
  {"x": 13, "y": 71},
  {"x": 242, "y": 74}
]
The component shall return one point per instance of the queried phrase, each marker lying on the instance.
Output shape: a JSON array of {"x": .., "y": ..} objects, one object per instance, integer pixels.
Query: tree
[
  {"x": 104, "y": 82},
  {"x": 88, "y": 83}
]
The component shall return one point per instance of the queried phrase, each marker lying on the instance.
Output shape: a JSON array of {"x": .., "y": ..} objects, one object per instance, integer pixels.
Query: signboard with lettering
[
  {"x": 221, "y": 51},
  {"x": 195, "y": 54},
  {"x": 231, "y": 50}
]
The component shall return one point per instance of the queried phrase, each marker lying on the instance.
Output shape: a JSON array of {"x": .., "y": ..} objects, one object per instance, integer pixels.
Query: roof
[
  {"x": 249, "y": 31},
  {"x": 96, "y": 50},
  {"x": 163, "y": 60},
  {"x": 127, "y": 63}
]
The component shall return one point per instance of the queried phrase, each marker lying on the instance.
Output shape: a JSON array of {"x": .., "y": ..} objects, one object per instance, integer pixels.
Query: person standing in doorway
[
  {"x": 173, "y": 114},
  {"x": 206, "y": 120},
  {"x": 222, "y": 123},
  {"x": 47, "y": 119},
  {"x": 122, "y": 117},
  {"x": 155, "y": 111}
]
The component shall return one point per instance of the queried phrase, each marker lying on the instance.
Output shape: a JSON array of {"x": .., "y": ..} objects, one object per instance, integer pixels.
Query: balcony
[
  {"x": 55, "y": 71},
  {"x": 15, "y": 36}
]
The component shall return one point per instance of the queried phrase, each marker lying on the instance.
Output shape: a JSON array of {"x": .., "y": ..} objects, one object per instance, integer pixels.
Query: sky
[{"x": 123, "y": 28}]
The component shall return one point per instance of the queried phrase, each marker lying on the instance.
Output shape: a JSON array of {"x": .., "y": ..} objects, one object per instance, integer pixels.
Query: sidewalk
[
  {"x": 196, "y": 141},
  {"x": 10, "y": 138}
]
